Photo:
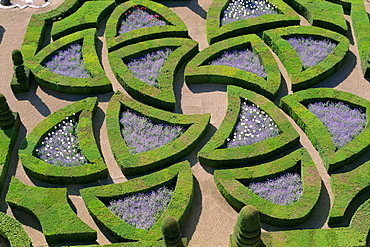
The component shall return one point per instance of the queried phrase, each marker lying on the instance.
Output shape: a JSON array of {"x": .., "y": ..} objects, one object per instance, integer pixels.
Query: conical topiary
[
  {"x": 20, "y": 72},
  {"x": 6, "y": 116},
  {"x": 247, "y": 230},
  {"x": 171, "y": 233}
]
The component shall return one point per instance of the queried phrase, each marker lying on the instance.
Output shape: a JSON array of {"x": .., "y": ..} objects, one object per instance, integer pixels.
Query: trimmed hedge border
[
  {"x": 12, "y": 230},
  {"x": 99, "y": 83},
  {"x": 176, "y": 27},
  {"x": 50, "y": 206},
  {"x": 317, "y": 14},
  {"x": 302, "y": 79},
  {"x": 354, "y": 235},
  {"x": 294, "y": 105},
  {"x": 216, "y": 32},
  {"x": 158, "y": 158},
  {"x": 197, "y": 71},
  {"x": 37, "y": 168},
  {"x": 164, "y": 96},
  {"x": 212, "y": 154},
  {"x": 231, "y": 184},
  {"x": 179, "y": 175},
  {"x": 347, "y": 187}
]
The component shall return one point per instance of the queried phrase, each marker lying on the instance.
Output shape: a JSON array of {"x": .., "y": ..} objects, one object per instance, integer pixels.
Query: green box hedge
[
  {"x": 158, "y": 158},
  {"x": 94, "y": 170},
  {"x": 12, "y": 230}
]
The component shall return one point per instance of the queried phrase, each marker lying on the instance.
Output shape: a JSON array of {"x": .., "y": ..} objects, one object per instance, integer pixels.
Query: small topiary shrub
[
  {"x": 21, "y": 78},
  {"x": 6, "y": 115},
  {"x": 171, "y": 233}
]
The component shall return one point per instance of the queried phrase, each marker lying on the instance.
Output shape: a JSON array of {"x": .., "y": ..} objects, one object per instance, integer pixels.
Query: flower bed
[
  {"x": 241, "y": 59},
  {"x": 283, "y": 190},
  {"x": 343, "y": 122},
  {"x": 311, "y": 51},
  {"x": 68, "y": 62},
  {"x": 148, "y": 67},
  {"x": 61, "y": 146},
  {"x": 244, "y": 9},
  {"x": 137, "y": 17},
  {"x": 141, "y": 134},
  {"x": 253, "y": 126},
  {"x": 142, "y": 210}
]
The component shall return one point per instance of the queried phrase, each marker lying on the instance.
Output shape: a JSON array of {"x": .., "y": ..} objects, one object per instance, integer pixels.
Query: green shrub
[{"x": 13, "y": 231}]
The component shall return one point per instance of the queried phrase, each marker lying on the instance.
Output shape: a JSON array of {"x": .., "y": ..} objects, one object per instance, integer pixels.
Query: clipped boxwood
[
  {"x": 12, "y": 230},
  {"x": 294, "y": 105},
  {"x": 347, "y": 187},
  {"x": 178, "y": 176},
  {"x": 214, "y": 155},
  {"x": 160, "y": 157},
  {"x": 164, "y": 96},
  {"x": 99, "y": 83},
  {"x": 51, "y": 208},
  {"x": 197, "y": 71},
  {"x": 175, "y": 28},
  {"x": 94, "y": 170},
  {"x": 216, "y": 32},
  {"x": 300, "y": 78},
  {"x": 232, "y": 185}
]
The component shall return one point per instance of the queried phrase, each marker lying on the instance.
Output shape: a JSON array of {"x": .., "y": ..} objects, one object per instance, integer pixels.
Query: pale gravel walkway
[{"x": 211, "y": 219}]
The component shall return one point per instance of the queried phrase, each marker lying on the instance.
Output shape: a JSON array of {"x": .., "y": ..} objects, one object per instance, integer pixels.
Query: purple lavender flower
[
  {"x": 342, "y": 122},
  {"x": 141, "y": 134},
  {"x": 68, "y": 62},
  {"x": 244, "y": 9},
  {"x": 148, "y": 67},
  {"x": 142, "y": 210},
  {"x": 61, "y": 146},
  {"x": 253, "y": 126},
  {"x": 244, "y": 59},
  {"x": 137, "y": 18},
  {"x": 283, "y": 190},
  {"x": 311, "y": 51}
]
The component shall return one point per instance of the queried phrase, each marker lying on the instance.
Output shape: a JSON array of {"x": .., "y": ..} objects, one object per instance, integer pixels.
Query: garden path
[{"x": 211, "y": 219}]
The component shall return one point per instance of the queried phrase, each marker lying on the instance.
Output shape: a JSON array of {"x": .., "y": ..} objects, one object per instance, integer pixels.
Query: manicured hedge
[
  {"x": 175, "y": 28},
  {"x": 347, "y": 187},
  {"x": 162, "y": 97},
  {"x": 178, "y": 176},
  {"x": 232, "y": 185},
  {"x": 51, "y": 208},
  {"x": 37, "y": 168},
  {"x": 353, "y": 236},
  {"x": 13, "y": 231},
  {"x": 216, "y": 32},
  {"x": 321, "y": 14},
  {"x": 294, "y": 105},
  {"x": 300, "y": 78},
  {"x": 197, "y": 71},
  {"x": 212, "y": 154},
  {"x": 160, "y": 157}
]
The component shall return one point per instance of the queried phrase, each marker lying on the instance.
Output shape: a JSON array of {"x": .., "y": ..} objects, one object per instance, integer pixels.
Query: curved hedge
[
  {"x": 302, "y": 79},
  {"x": 160, "y": 157},
  {"x": 51, "y": 208},
  {"x": 13, "y": 231},
  {"x": 197, "y": 71},
  {"x": 216, "y": 32},
  {"x": 294, "y": 105},
  {"x": 37, "y": 168},
  {"x": 231, "y": 184},
  {"x": 179, "y": 176},
  {"x": 175, "y": 28},
  {"x": 212, "y": 154},
  {"x": 162, "y": 97}
]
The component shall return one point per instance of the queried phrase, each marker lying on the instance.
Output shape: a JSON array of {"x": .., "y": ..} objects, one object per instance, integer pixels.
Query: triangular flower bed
[
  {"x": 133, "y": 164},
  {"x": 175, "y": 26},
  {"x": 163, "y": 95},
  {"x": 304, "y": 78},
  {"x": 214, "y": 154},
  {"x": 232, "y": 185},
  {"x": 178, "y": 176},
  {"x": 199, "y": 71},
  {"x": 333, "y": 158},
  {"x": 93, "y": 170}
]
